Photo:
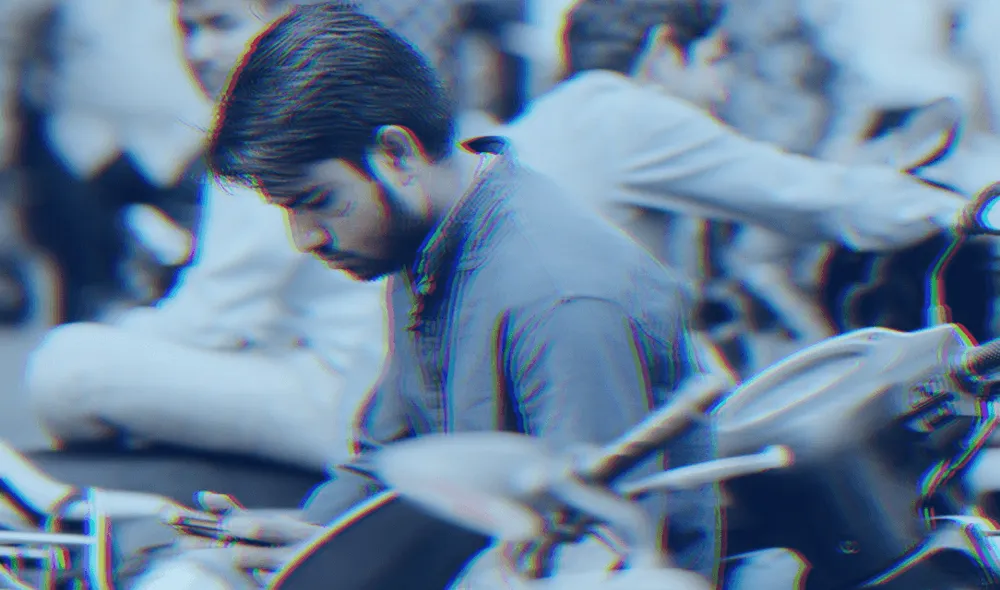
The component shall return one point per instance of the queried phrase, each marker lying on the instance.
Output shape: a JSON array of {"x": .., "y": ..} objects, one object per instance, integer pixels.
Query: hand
[{"x": 285, "y": 534}]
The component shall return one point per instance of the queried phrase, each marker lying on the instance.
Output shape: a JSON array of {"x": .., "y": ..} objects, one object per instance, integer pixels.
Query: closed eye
[
  {"x": 317, "y": 199},
  {"x": 325, "y": 201}
]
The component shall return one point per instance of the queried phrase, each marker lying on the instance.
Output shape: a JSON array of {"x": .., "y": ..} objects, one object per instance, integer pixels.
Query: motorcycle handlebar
[{"x": 658, "y": 428}]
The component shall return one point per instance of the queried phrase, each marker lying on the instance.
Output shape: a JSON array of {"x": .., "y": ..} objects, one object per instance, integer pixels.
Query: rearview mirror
[
  {"x": 983, "y": 212},
  {"x": 991, "y": 217}
]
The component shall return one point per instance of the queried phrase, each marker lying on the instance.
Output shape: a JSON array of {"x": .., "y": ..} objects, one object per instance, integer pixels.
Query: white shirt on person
[
  {"x": 629, "y": 149},
  {"x": 249, "y": 286}
]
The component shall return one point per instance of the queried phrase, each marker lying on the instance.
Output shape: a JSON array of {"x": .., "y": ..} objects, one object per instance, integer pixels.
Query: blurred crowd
[{"x": 102, "y": 126}]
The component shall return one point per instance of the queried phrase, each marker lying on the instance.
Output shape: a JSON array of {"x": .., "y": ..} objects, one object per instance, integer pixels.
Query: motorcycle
[{"x": 868, "y": 477}]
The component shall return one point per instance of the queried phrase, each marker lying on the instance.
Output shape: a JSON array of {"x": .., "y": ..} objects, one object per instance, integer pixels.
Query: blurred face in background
[
  {"x": 699, "y": 75},
  {"x": 479, "y": 65},
  {"x": 216, "y": 35}
]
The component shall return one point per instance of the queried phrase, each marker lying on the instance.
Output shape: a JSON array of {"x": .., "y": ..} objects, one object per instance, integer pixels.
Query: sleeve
[
  {"x": 584, "y": 379},
  {"x": 381, "y": 420},
  {"x": 684, "y": 159},
  {"x": 578, "y": 375}
]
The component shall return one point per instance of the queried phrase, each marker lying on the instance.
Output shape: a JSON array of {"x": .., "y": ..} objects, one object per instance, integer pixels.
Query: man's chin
[
  {"x": 367, "y": 276},
  {"x": 364, "y": 272}
]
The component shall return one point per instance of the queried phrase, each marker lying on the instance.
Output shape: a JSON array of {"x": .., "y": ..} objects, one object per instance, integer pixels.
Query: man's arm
[
  {"x": 684, "y": 159},
  {"x": 381, "y": 420},
  {"x": 579, "y": 375}
]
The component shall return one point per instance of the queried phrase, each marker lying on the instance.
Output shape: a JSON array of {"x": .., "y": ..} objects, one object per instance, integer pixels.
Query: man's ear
[
  {"x": 659, "y": 41},
  {"x": 396, "y": 156}
]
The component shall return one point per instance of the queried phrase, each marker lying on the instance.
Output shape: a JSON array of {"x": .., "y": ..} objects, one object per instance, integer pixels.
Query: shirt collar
[{"x": 458, "y": 239}]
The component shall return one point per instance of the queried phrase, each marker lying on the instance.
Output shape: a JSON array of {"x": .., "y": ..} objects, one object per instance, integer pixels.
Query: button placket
[{"x": 429, "y": 338}]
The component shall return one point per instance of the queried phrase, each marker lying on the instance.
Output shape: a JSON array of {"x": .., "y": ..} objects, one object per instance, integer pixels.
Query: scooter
[{"x": 852, "y": 455}]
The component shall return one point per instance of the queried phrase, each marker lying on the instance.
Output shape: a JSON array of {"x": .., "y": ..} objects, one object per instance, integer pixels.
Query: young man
[
  {"x": 630, "y": 131},
  {"x": 511, "y": 307},
  {"x": 260, "y": 349}
]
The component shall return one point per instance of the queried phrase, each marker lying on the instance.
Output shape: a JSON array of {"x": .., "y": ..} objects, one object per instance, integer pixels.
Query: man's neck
[{"x": 451, "y": 181}]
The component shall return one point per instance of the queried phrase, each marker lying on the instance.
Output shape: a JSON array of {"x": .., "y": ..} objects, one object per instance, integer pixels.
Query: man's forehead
[
  {"x": 332, "y": 175},
  {"x": 293, "y": 187}
]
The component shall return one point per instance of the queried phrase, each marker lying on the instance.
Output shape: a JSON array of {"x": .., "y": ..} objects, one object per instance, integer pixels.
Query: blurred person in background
[
  {"x": 777, "y": 93},
  {"x": 259, "y": 349},
  {"x": 767, "y": 284},
  {"x": 974, "y": 36},
  {"x": 99, "y": 114},
  {"x": 630, "y": 130},
  {"x": 491, "y": 80},
  {"x": 886, "y": 55},
  {"x": 878, "y": 67}
]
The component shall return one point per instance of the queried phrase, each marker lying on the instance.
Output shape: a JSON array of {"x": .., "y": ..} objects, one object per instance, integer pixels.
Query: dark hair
[
  {"x": 317, "y": 85},
  {"x": 611, "y": 34}
]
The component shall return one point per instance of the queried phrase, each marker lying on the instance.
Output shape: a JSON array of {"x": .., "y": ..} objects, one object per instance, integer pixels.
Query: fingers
[
  {"x": 218, "y": 503},
  {"x": 192, "y": 543},
  {"x": 241, "y": 557},
  {"x": 266, "y": 558},
  {"x": 274, "y": 529}
]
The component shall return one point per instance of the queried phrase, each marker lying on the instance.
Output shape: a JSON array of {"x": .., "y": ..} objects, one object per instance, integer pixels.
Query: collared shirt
[
  {"x": 528, "y": 313},
  {"x": 630, "y": 149},
  {"x": 249, "y": 287}
]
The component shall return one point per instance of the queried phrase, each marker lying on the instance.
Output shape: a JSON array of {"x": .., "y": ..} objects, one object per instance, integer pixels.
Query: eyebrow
[{"x": 297, "y": 200}]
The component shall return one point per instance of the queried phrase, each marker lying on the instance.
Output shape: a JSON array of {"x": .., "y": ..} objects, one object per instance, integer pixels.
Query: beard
[{"x": 404, "y": 235}]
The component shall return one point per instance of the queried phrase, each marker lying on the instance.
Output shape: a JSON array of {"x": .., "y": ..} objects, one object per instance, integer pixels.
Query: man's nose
[{"x": 306, "y": 234}]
